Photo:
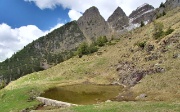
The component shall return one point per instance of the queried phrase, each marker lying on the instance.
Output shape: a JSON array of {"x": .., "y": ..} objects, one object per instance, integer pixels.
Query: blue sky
[
  {"x": 22, "y": 21},
  {"x": 17, "y": 13}
]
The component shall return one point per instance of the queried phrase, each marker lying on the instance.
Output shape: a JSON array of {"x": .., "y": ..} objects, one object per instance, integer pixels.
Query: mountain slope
[
  {"x": 43, "y": 53},
  {"x": 55, "y": 47},
  {"x": 59, "y": 45},
  {"x": 104, "y": 67}
]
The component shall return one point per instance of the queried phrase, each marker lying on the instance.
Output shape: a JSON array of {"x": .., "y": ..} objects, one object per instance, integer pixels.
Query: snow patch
[{"x": 132, "y": 19}]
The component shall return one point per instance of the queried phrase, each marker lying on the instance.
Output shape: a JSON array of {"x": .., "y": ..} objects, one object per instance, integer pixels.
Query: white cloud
[
  {"x": 106, "y": 7},
  {"x": 55, "y": 27},
  {"x": 12, "y": 40},
  {"x": 74, "y": 15}
]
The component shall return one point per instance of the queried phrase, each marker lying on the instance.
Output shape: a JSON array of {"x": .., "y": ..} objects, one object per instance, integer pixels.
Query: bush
[
  {"x": 142, "y": 24},
  {"x": 101, "y": 41},
  {"x": 142, "y": 44},
  {"x": 83, "y": 49},
  {"x": 158, "y": 30},
  {"x": 104, "y": 39},
  {"x": 2, "y": 84},
  {"x": 169, "y": 31},
  {"x": 93, "y": 48},
  {"x": 164, "y": 13}
]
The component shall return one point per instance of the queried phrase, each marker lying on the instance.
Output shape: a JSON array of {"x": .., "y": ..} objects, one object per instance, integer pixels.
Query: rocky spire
[
  {"x": 118, "y": 20},
  {"x": 92, "y": 24}
]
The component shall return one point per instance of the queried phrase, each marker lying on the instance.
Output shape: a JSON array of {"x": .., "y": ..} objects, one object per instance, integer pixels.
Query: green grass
[
  {"x": 123, "y": 107},
  {"x": 15, "y": 100}
]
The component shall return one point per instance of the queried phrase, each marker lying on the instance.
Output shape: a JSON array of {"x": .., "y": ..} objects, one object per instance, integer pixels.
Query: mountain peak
[
  {"x": 119, "y": 11},
  {"x": 141, "y": 9},
  {"x": 93, "y": 24},
  {"x": 92, "y": 10},
  {"x": 144, "y": 5},
  {"x": 143, "y": 13},
  {"x": 118, "y": 19}
]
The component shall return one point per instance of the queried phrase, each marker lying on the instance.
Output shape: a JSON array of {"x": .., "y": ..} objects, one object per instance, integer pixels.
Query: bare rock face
[
  {"x": 92, "y": 24},
  {"x": 118, "y": 20},
  {"x": 170, "y": 4},
  {"x": 143, "y": 13},
  {"x": 130, "y": 74}
]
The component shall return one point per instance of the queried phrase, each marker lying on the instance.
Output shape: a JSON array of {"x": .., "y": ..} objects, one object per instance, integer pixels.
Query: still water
[{"x": 83, "y": 94}]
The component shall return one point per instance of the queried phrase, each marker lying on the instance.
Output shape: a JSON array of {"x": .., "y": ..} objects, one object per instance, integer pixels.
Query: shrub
[
  {"x": 85, "y": 49},
  {"x": 169, "y": 31},
  {"x": 141, "y": 44},
  {"x": 2, "y": 84},
  {"x": 93, "y": 48},
  {"x": 82, "y": 49},
  {"x": 164, "y": 13},
  {"x": 158, "y": 30},
  {"x": 101, "y": 41},
  {"x": 104, "y": 39},
  {"x": 142, "y": 24}
]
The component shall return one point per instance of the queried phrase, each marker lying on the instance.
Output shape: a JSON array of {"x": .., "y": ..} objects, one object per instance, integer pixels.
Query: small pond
[{"x": 83, "y": 94}]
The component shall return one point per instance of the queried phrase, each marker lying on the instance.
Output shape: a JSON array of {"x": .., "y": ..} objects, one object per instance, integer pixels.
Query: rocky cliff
[
  {"x": 170, "y": 4},
  {"x": 118, "y": 20},
  {"x": 144, "y": 13},
  {"x": 92, "y": 24}
]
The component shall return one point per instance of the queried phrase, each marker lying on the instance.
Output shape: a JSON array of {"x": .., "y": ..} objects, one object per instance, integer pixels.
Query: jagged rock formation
[
  {"x": 143, "y": 13},
  {"x": 92, "y": 24},
  {"x": 118, "y": 20}
]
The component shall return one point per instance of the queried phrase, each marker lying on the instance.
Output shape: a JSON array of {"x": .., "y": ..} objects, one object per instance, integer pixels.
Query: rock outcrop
[
  {"x": 171, "y": 4},
  {"x": 118, "y": 20},
  {"x": 144, "y": 13},
  {"x": 130, "y": 74},
  {"x": 92, "y": 24}
]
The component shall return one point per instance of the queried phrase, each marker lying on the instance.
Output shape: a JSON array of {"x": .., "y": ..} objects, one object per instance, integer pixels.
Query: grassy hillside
[
  {"x": 43, "y": 53},
  {"x": 161, "y": 84}
]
